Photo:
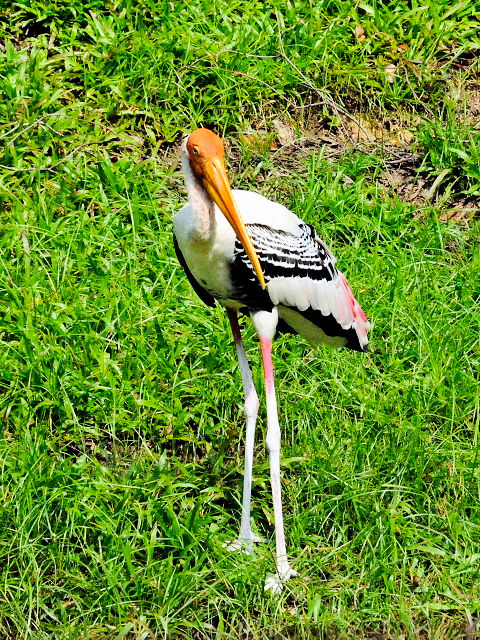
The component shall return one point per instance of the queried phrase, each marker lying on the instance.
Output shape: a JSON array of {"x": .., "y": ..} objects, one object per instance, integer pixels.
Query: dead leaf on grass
[
  {"x": 390, "y": 70},
  {"x": 460, "y": 215},
  {"x": 360, "y": 33},
  {"x": 285, "y": 133}
]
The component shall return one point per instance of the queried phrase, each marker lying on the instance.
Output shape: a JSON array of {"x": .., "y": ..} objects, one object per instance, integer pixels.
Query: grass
[{"x": 121, "y": 449}]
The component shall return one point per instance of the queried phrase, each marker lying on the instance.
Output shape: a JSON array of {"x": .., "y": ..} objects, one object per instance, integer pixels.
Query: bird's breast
[{"x": 209, "y": 260}]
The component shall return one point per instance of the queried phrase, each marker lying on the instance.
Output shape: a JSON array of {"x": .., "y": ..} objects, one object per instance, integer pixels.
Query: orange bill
[{"x": 215, "y": 181}]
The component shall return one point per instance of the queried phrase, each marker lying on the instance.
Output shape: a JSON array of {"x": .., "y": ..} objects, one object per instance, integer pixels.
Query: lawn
[{"x": 121, "y": 450}]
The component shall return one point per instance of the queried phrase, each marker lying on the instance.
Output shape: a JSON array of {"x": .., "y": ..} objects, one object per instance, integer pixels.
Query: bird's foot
[
  {"x": 243, "y": 544},
  {"x": 274, "y": 582}
]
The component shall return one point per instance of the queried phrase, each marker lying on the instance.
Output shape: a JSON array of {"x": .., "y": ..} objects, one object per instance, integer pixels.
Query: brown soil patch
[{"x": 290, "y": 154}]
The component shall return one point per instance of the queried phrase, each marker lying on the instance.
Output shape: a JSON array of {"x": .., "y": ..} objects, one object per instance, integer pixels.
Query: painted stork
[{"x": 256, "y": 257}]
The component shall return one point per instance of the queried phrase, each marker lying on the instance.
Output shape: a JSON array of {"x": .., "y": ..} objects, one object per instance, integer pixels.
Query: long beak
[{"x": 218, "y": 187}]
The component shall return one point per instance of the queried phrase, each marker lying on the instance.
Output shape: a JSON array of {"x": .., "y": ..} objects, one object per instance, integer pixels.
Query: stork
[{"x": 256, "y": 257}]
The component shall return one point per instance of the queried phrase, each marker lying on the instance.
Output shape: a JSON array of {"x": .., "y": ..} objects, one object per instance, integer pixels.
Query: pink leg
[{"x": 265, "y": 324}]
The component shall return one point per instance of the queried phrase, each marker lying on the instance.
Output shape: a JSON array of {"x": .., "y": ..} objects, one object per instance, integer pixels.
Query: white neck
[{"x": 202, "y": 205}]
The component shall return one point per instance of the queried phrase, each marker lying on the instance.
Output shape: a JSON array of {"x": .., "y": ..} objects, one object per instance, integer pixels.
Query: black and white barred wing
[{"x": 300, "y": 273}]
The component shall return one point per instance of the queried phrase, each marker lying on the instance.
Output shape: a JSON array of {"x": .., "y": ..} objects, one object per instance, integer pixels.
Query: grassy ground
[{"x": 121, "y": 448}]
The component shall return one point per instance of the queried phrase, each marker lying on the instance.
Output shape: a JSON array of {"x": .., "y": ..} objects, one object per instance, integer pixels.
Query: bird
[{"x": 255, "y": 257}]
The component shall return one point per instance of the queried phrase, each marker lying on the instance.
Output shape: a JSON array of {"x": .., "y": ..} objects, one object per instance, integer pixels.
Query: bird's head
[{"x": 207, "y": 159}]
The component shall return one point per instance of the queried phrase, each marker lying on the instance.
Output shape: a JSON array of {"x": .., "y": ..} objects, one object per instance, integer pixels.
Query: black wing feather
[{"x": 283, "y": 254}]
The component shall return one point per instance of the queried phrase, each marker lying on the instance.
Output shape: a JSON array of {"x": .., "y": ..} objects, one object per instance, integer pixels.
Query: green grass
[{"x": 120, "y": 397}]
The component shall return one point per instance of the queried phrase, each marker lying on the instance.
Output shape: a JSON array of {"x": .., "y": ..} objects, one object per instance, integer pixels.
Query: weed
[{"x": 121, "y": 450}]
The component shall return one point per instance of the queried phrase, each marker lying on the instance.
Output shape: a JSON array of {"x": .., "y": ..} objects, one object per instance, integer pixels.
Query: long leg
[
  {"x": 251, "y": 411},
  {"x": 265, "y": 323}
]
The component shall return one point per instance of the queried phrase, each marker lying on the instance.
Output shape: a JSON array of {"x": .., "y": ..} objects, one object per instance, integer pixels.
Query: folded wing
[{"x": 312, "y": 295}]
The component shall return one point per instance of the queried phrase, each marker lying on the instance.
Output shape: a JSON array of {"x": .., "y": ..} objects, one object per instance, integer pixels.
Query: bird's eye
[{"x": 195, "y": 151}]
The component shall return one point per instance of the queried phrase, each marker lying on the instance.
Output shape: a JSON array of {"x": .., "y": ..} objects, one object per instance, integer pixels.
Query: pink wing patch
[{"x": 360, "y": 320}]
